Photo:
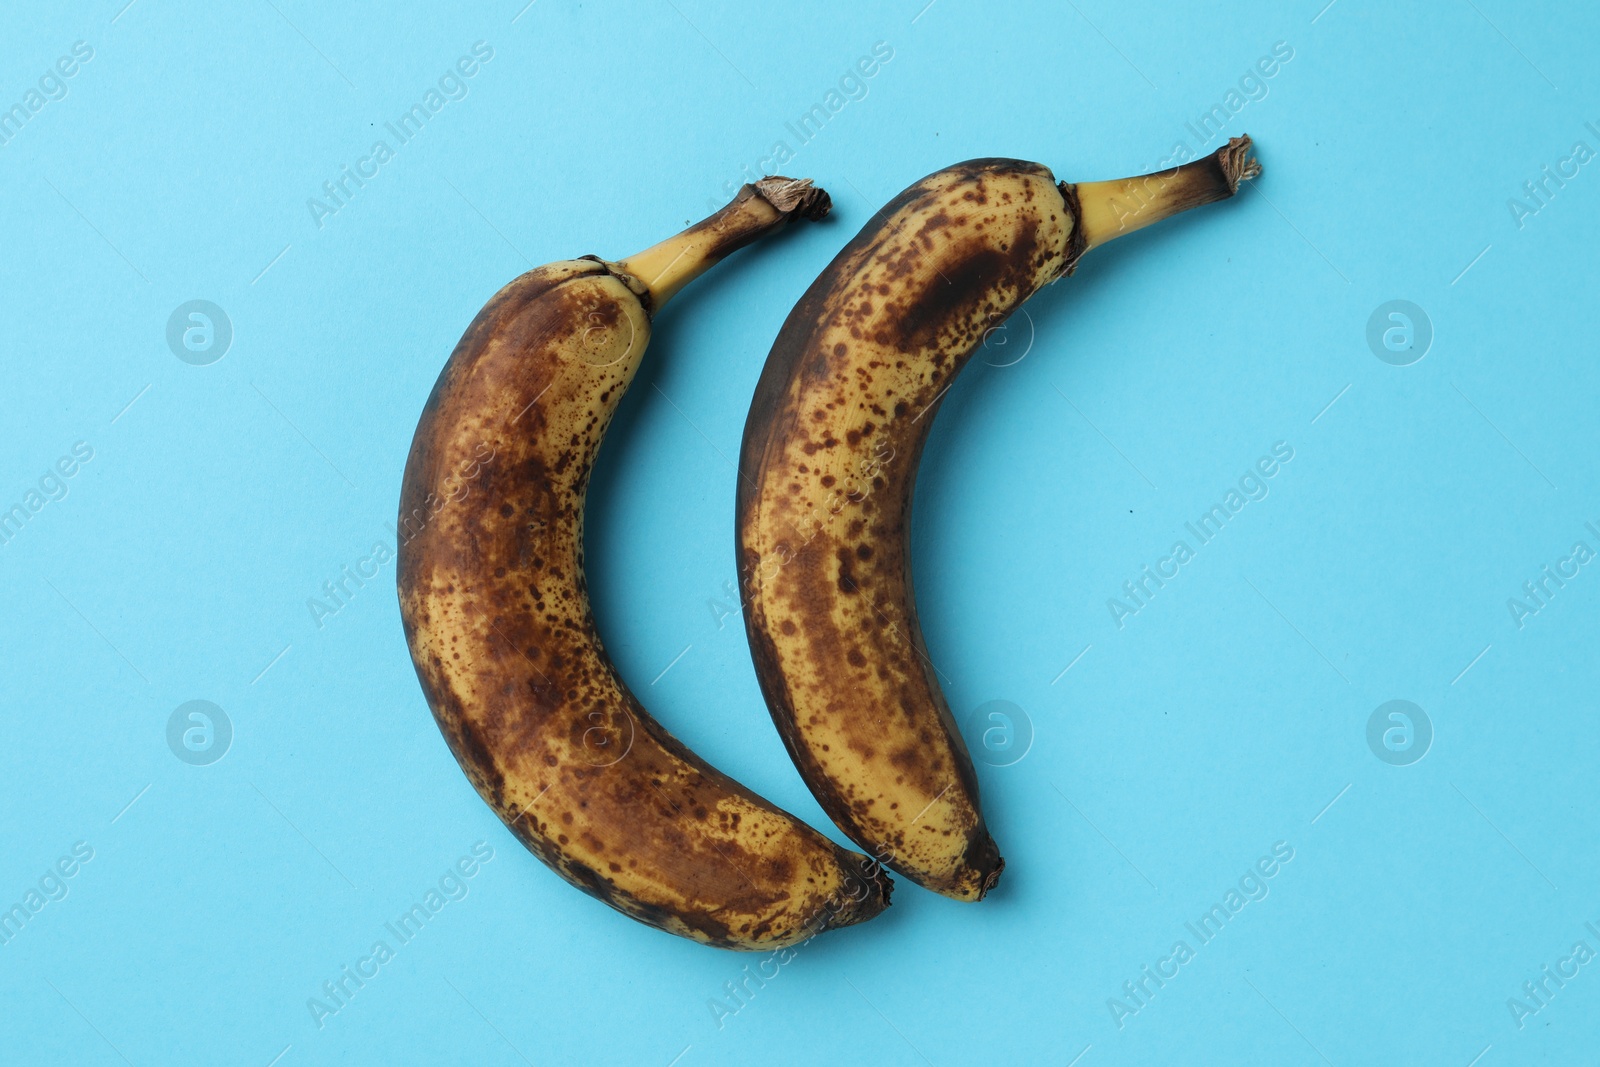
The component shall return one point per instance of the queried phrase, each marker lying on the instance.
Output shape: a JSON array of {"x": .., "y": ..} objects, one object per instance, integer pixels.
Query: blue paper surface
[{"x": 1375, "y": 681}]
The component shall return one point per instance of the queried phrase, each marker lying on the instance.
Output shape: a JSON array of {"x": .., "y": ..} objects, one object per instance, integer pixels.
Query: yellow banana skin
[
  {"x": 497, "y": 614},
  {"x": 828, "y": 467}
]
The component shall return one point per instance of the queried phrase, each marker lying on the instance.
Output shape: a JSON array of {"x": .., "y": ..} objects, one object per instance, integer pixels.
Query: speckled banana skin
[
  {"x": 828, "y": 467},
  {"x": 497, "y": 614}
]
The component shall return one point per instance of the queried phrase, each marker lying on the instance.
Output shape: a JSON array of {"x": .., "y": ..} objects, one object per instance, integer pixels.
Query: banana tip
[
  {"x": 992, "y": 879},
  {"x": 984, "y": 860},
  {"x": 795, "y": 196},
  {"x": 1237, "y": 162},
  {"x": 869, "y": 904}
]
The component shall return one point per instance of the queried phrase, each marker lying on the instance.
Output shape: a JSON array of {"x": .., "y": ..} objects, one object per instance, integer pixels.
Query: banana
[
  {"x": 497, "y": 616},
  {"x": 828, "y": 466}
]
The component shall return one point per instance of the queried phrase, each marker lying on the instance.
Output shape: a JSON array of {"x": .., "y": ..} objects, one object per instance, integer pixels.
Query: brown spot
[
  {"x": 906, "y": 759},
  {"x": 847, "y": 581}
]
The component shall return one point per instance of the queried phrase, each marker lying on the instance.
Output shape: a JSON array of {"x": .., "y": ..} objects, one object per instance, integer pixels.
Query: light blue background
[{"x": 1222, "y": 718}]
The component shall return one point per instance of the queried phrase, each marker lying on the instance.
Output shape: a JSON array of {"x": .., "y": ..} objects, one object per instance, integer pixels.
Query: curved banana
[
  {"x": 497, "y": 615},
  {"x": 829, "y": 463}
]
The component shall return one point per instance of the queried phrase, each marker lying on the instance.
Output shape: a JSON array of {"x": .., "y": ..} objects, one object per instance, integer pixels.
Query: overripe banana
[
  {"x": 496, "y": 611},
  {"x": 829, "y": 463}
]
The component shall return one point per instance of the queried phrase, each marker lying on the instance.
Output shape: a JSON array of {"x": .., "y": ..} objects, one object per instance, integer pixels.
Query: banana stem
[
  {"x": 1110, "y": 209},
  {"x": 756, "y": 210}
]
